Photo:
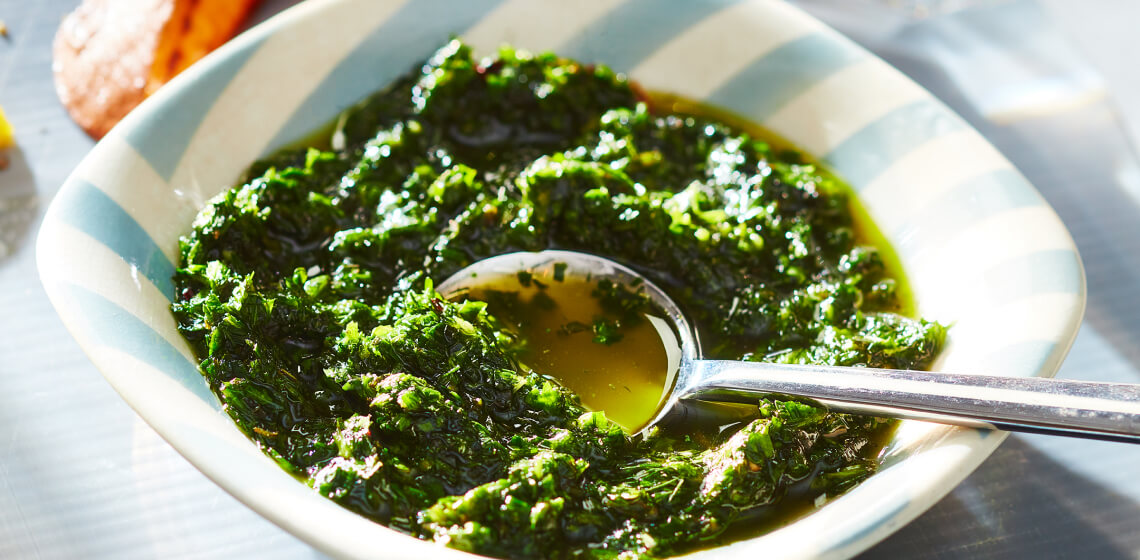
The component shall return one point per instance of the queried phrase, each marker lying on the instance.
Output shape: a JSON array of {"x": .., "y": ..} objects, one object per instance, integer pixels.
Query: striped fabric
[{"x": 982, "y": 249}]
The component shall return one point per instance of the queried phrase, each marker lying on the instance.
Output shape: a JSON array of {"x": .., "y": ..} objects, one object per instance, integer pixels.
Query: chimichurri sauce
[{"x": 307, "y": 293}]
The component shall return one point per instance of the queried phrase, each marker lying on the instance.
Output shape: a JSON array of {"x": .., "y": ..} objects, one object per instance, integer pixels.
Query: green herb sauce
[{"x": 307, "y": 294}]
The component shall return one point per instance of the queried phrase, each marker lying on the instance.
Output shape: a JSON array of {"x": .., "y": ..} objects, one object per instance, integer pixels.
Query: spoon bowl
[{"x": 679, "y": 339}]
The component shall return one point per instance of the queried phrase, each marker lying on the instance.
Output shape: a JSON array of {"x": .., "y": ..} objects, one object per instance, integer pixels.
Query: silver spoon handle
[{"x": 1027, "y": 404}]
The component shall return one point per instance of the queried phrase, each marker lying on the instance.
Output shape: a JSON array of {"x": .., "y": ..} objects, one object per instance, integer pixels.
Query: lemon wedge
[{"x": 7, "y": 138}]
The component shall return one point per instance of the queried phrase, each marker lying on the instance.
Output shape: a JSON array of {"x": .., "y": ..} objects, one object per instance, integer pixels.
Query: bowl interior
[{"x": 982, "y": 250}]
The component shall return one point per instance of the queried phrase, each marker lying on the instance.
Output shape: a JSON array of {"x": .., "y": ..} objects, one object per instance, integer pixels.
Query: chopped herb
[
  {"x": 606, "y": 331},
  {"x": 307, "y": 294},
  {"x": 574, "y": 327}
]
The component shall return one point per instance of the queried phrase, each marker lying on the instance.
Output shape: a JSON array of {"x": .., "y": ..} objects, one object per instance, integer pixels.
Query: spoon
[{"x": 1093, "y": 410}]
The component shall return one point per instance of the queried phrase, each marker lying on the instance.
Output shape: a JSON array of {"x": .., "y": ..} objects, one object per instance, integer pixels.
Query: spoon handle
[{"x": 1085, "y": 409}]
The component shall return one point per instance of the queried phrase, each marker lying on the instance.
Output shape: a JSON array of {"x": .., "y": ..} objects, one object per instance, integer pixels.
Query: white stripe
[
  {"x": 536, "y": 26},
  {"x": 270, "y": 87},
  {"x": 832, "y": 110},
  {"x": 992, "y": 241},
  {"x": 948, "y": 278},
  {"x": 684, "y": 66},
  {"x": 1035, "y": 318},
  {"x": 923, "y": 175}
]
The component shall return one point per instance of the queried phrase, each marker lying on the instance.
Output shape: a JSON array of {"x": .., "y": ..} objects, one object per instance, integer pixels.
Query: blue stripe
[
  {"x": 871, "y": 150},
  {"x": 1056, "y": 271},
  {"x": 161, "y": 134},
  {"x": 967, "y": 203},
  {"x": 634, "y": 30},
  {"x": 112, "y": 326},
  {"x": 781, "y": 75},
  {"x": 91, "y": 211},
  {"x": 1021, "y": 359},
  {"x": 411, "y": 35}
]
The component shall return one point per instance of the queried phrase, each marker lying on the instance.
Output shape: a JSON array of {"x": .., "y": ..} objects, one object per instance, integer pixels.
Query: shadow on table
[
  {"x": 1012, "y": 507},
  {"x": 19, "y": 204}
]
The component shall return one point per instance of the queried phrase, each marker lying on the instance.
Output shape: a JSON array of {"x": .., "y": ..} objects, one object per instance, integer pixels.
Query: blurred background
[{"x": 1052, "y": 83}]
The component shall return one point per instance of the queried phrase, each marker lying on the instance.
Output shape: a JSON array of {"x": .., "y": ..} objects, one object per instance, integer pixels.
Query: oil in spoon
[{"x": 614, "y": 359}]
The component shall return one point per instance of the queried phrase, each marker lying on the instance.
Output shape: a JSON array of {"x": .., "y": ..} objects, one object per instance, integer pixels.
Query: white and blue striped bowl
[{"x": 983, "y": 251}]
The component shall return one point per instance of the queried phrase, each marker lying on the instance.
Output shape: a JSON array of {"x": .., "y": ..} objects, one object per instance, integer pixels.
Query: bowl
[{"x": 983, "y": 252}]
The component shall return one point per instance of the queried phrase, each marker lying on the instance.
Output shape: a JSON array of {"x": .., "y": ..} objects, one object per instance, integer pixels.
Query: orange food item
[{"x": 110, "y": 54}]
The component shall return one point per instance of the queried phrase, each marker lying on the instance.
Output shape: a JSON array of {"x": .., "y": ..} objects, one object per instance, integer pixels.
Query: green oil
[{"x": 555, "y": 320}]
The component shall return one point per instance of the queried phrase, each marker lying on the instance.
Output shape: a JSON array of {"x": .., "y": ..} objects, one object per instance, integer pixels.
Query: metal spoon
[{"x": 1109, "y": 411}]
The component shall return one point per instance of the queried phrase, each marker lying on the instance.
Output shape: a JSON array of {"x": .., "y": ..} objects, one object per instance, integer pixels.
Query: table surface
[{"x": 81, "y": 476}]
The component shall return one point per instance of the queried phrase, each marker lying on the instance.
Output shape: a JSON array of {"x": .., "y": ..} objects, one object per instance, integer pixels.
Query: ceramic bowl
[{"x": 983, "y": 251}]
